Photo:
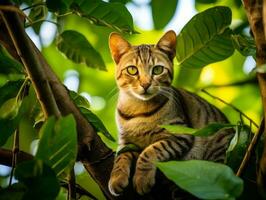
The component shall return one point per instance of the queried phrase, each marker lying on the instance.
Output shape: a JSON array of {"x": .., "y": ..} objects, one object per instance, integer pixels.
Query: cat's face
[{"x": 143, "y": 71}]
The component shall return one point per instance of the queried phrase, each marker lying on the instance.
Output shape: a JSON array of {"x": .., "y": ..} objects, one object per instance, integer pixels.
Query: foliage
[
  {"x": 205, "y": 131},
  {"x": 205, "y": 39},
  {"x": 82, "y": 32},
  {"x": 58, "y": 144},
  {"x": 75, "y": 46},
  {"x": 204, "y": 179}
]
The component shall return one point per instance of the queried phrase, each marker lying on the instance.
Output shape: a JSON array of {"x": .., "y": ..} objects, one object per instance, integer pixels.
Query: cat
[{"x": 147, "y": 100}]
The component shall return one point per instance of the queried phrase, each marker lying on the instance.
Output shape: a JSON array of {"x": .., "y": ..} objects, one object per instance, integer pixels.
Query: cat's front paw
[
  {"x": 143, "y": 181},
  {"x": 117, "y": 184}
]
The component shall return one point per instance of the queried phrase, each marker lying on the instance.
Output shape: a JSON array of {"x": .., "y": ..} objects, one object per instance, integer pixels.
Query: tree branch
[{"x": 254, "y": 11}]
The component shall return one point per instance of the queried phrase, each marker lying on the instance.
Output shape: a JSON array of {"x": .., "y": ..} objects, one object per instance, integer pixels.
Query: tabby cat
[{"x": 146, "y": 100}]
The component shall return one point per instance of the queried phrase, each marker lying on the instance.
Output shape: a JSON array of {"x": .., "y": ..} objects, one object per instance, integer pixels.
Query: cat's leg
[
  {"x": 120, "y": 172},
  {"x": 164, "y": 150}
]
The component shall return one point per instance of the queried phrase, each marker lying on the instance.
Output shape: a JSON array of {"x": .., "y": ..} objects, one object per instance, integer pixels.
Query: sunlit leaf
[
  {"x": 179, "y": 129},
  {"x": 212, "y": 128},
  {"x": 9, "y": 65},
  {"x": 58, "y": 144},
  {"x": 10, "y": 108},
  {"x": 10, "y": 90},
  {"x": 79, "y": 100},
  {"x": 205, "y": 131},
  {"x": 244, "y": 44},
  {"x": 39, "y": 178},
  {"x": 204, "y": 179},
  {"x": 128, "y": 148},
  {"x": 78, "y": 49},
  {"x": 96, "y": 123},
  {"x": 113, "y": 15},
  {"x": 206, "y": 38},
  {"x": 161, "y": 19}
]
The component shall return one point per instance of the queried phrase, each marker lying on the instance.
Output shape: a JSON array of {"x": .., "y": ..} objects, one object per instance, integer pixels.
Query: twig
[
  {"x": 230, "y": 105},
  {"x": 34, "y": 5},
  {"x": 15, "y": 9},
  {"x": 41, "y": 20},
  {"x": 250, "y": 149},
  {"x": 71, "y": 186},
  {"x": 234, "y": 84},
  {"x": 14, "y": 155},
  {"x": 79, "y": 189},
  {"x": 6, "y": 157}
]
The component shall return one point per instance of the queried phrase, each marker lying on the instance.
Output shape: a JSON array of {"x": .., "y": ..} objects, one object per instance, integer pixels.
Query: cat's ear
[
  {"x": 118, "y": 46},
  {"x": 167, "y": 44}
]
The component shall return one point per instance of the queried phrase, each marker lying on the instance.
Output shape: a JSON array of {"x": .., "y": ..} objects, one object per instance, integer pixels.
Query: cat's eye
[
  {"x": 158, "y": 69},
  {"x": 132, "y": 70}
]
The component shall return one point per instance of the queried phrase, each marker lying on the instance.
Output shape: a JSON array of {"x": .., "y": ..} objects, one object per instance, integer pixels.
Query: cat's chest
[{"x": 136, "y": 125}]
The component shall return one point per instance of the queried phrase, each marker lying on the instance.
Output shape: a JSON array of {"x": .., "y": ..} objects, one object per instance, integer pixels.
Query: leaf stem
[
  {"x": 14, "y": 155},
  {"x": 34, "y": 5},
  {"x": 71, "y": 186},
  {"x": 250, "y": 149}
]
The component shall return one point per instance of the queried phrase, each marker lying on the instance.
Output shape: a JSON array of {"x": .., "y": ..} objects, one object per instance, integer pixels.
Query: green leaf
[
  {"x": 58, "y": 144},
  {"x": 128, "y": 148},
  {"x": 161, "y": 19},
  {"x": 39, "y": 178},
  {"x": 237, "y": 148},
  {"x": 212, "y": 128},
  {"x": 79, "y": 100},
  {"x": 7, "y": 128},
  {"x": 205, "y": 131},
  {"x": 10, "y": 109},
  {"x": 38, "y": 13},
  {"x": 10, "y": 90},
  {"x": 96, "y": 123},
  {"x": 59, "y": 6},
  {"x": 78, "y": 49},
  {"x": 179, "y": 129},
  {"x": 206, "y": 38},
  {"x": 204, "y": 179},
  {"x": 244, "y": 44},
  {"x": 13, "y": 192},
  {"x": 113, "y": 15},
  {"x": 9, "y": 65}
]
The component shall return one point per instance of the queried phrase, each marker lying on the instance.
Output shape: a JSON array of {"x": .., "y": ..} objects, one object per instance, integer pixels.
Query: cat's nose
[{"x": 145, "y": 85}]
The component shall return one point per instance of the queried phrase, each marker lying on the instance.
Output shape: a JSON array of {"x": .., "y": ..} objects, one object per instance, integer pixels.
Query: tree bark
[{"x": 257, "y": 20}]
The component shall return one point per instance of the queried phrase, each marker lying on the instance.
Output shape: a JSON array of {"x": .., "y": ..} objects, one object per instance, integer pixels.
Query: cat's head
[{"x": 142, "y": 71}]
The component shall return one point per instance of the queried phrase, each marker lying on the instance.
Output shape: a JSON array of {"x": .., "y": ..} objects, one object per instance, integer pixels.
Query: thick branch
[{"x": 254, "y": 11}]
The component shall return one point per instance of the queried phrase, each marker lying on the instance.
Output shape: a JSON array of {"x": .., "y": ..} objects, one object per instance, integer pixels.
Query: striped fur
[{"x": 147, "y": 100}]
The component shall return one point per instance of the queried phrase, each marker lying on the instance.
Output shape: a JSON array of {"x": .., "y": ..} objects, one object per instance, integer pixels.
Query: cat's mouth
[{"x": 145, "y": 96}]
